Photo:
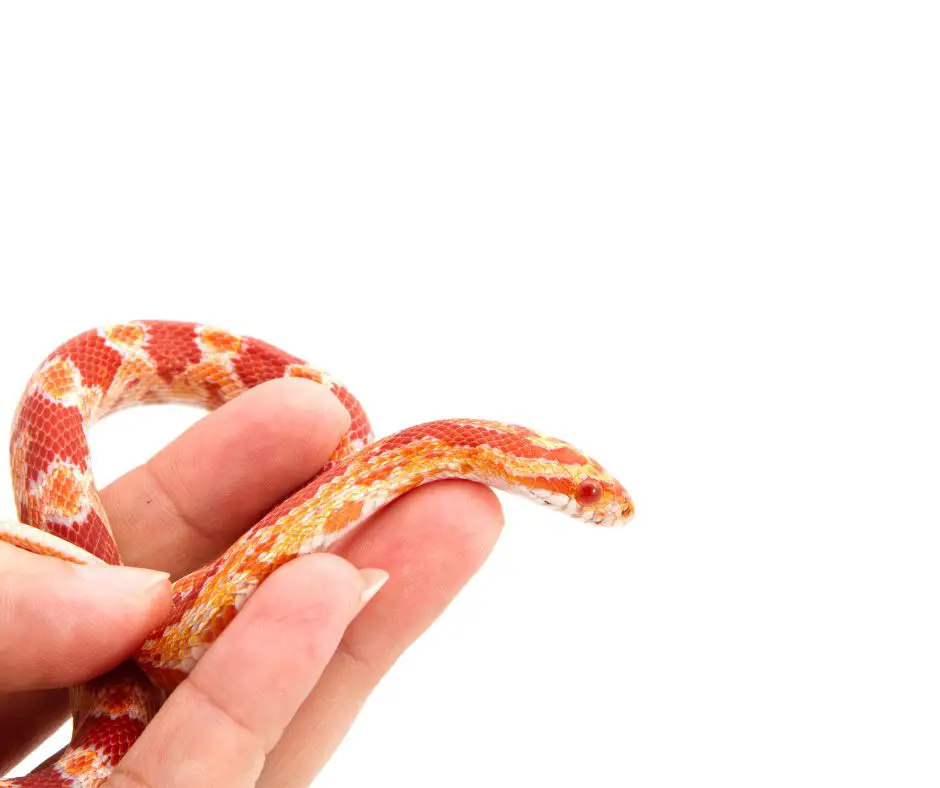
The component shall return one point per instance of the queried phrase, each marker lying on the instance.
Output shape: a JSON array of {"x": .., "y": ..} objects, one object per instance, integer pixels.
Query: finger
[
  {"x": 61, "y": 623},
  {"x": 220, "y": 723},
  {"x": 193, "y": 499},
  {"x": 431, "y": 542}
]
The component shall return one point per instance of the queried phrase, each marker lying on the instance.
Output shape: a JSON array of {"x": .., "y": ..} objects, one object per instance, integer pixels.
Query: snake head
[
  {"x": 589, "y": 494},
  {"x": 601, "y": 499},
  {"x": 566, "y": 479}
]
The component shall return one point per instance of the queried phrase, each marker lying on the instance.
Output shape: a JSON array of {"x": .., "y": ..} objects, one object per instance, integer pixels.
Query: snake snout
[{"x": 626, "y": 511}]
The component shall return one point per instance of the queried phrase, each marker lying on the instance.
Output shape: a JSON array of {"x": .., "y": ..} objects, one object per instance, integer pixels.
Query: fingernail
[
  {"x": 123, "y": 579},
  {"x": 373, "y": 580}
]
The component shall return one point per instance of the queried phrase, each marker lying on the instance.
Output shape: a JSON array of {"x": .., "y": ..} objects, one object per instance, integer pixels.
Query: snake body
[{"x": 61, "y": 514}]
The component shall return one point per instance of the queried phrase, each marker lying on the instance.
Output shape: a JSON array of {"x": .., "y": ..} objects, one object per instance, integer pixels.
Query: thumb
[{"x": 62, "y": 623}]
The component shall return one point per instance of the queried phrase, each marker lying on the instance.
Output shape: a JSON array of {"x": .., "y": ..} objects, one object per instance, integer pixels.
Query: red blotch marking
[
  {"x": 56, "y": 432},
  {"x": 96, "y": 361},
  {"x": 172, "y": 346},
  {"x": 91, "y": 535},
  {"x": 259, "y": 361}
]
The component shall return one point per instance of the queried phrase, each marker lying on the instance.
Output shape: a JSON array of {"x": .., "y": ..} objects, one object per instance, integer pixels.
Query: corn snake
[{"x": 58, "y": 504}]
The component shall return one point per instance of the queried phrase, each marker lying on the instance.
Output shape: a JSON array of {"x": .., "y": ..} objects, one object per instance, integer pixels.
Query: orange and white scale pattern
[{"x": 159, "y": 361}]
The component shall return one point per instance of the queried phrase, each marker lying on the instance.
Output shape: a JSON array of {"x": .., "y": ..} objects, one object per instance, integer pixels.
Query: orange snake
[{"x": 159, "y": 361}]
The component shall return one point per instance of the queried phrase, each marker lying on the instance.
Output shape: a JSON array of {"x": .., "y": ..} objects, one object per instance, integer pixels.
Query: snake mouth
[{"x": 614, "y": 516}]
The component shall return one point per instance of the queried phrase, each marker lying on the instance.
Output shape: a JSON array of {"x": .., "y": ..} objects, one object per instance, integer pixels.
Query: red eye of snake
[{"x": 589, "y": 491}]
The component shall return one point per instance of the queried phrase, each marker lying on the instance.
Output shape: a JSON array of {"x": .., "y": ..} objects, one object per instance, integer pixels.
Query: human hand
[{"x": 274, "y": 696}]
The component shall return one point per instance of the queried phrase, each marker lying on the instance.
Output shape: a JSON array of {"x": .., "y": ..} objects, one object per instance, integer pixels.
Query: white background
[{"x": 697, "y": 239}]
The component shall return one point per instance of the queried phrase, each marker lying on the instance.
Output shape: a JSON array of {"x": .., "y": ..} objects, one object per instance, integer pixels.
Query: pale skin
[{"x": 275, "y": 695}]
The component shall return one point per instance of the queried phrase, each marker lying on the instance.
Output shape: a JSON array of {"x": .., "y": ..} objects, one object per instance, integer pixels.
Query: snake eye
[{"x": 589, "y": 492}]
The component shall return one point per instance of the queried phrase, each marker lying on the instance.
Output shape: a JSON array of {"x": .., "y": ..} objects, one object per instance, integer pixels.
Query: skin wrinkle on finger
[
  {"x": 193, "y": 756},
  {"x": 238, "y": 734}
]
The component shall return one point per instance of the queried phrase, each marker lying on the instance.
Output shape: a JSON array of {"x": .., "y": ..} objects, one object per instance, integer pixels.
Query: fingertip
[
  {"x": 146, "y": 593},
  {"x": 282, "y": 424},
  {"x": 301, "y": 403}
]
